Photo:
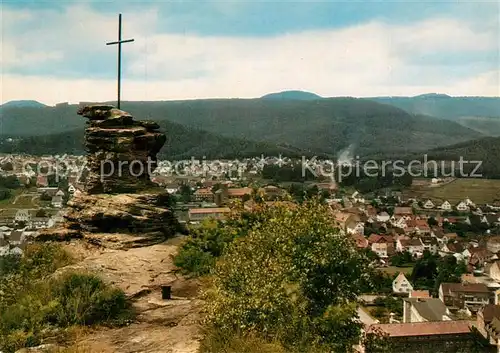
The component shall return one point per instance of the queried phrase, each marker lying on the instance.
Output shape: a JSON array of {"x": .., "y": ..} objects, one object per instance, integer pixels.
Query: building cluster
[
  {"x": 41, "y": 171},
  {"x": 459, "y": 313},
  {"x": 18, "y": 230},
  {"x": 410, "y": 228}
]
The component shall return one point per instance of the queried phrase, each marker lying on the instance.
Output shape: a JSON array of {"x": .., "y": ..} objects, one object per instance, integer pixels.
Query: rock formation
[
  {"x": 121, "y": 151},
  {"x": 119, "y": 197}
]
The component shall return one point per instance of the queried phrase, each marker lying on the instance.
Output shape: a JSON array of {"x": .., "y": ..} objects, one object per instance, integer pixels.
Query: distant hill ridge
[
  {"x": 322, "y": 126},
  {"x": 292, "y": 95},
  {"x": 22, "y": 104},
  {"x": 444, "y": 106},
  {"x": 182, "y": 143}
]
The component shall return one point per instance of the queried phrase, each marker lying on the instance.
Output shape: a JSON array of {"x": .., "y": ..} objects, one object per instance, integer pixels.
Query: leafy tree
[
  {"x": 185, "y": 191},
  {"x": 432, "y": 270},
  {"x": 293, "y": 278},
  {"x": 8, "y": 166},
  {"x": 9, "y": 182},
  {"x": 401, "y": 258},
  {"x": 41, "y": 213},
  {"x": 197, "y": 255},
  {"x": 45, "y": 197},
  {"x": 432, "y": 222},
  {"x": 5, "y": 194}
]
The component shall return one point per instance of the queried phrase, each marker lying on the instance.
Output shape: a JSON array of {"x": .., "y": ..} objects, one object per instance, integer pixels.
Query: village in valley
[{"x": 437, "y": 259}]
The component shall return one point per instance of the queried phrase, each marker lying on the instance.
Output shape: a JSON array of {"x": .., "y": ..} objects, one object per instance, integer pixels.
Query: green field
[
  {"x": 20, "y": 198},
  {"x": 478, "y": 190}
]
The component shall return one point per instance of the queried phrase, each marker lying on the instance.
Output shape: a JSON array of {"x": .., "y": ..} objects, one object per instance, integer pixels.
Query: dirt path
[{"x": 162, "y": 326}]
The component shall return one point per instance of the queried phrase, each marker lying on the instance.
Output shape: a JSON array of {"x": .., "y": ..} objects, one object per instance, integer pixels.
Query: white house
[
  {"x": 431, "y": 245},
  {"x": 383, "y": 217},
  {"x": 399, "y": 222},
  {"x": 22, "y": 215},
  {"x": 446, "y": 206},
  {"x": 401, "y": 284},
  {"x": 356, "y": 228},
  {"x": 428, "y": 204},
  {"x": 462, "y": 207},
  {"x": 414, "y": 246},
  {"x": 71, "y": 188},
  {"x": 57, "y": 201},
  {"x": 424, "y": 310},
  {"x": 469, "y": 203}
]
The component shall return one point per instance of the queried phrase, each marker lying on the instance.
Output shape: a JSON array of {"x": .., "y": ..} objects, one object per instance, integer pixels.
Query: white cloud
[{"x": 363, "y": 60}]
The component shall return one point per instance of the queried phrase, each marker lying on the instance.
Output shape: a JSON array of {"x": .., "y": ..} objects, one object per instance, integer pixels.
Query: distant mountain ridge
[
  {"x": 485, "y": 150},
  {"x": 182, "y": 143},
  {"x": 292, "y": 95},
  {"x": 322, "y": 126},
  {"x": 23, "y": 104},
  {"x": 444, "y": 106}
]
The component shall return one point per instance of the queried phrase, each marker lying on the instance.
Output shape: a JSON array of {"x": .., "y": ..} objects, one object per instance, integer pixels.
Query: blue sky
[{"x": 55, "y": 50}]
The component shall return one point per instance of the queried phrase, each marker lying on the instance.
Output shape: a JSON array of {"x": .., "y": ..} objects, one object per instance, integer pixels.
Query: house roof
[
  {"x": 411, "y": 242},
  {"x": 420, "y": 294},
  {"x": 239, "y": 191},
  {"x": 203, "y": 191},
  {"x": 490, "y": 311},
  {"x": 16, "y": 235},
  {"x": 424, "y": 328},
  {"x": 403, "y": 211},
  {"x": 361, "y": 241},
  {"x": 209, "y": 210},
  {"x": 400, "y": 277},
  {"x": 431, "y": 309},
  {"x": 429, "y": 241},
  {"x": 377, "y": 238},
  {"x": 449, "y": 288},
  {"x": 455, "y": 247},
  {"x": 342, "y": 217},
  {"x": 495, "y": 324},
  {"x": 480, "y": 252}
]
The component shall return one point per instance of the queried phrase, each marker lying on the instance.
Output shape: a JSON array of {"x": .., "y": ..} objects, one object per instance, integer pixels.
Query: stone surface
[
  {"x": 120, "y": 198},
  {"x": 127, "y": 220},
  {"x": 121, "y": 151},
  {"x": 161, "y": 326}
]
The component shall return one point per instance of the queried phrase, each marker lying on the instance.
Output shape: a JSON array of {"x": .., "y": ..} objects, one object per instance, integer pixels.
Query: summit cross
[{"x": 119, "y": 42}]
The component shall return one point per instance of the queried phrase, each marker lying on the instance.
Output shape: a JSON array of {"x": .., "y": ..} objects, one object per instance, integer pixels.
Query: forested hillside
[
  {"x": 319, "y": 126},
  {"x": 182, "y": 142},
  {"x": 443, "y": 106}
]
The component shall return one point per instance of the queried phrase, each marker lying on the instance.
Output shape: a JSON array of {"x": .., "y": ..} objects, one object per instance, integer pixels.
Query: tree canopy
[{"x": 292, "y": 277}]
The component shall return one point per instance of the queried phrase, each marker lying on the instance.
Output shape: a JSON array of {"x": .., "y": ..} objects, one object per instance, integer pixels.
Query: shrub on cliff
[
  {"x": 36, "y": 304},
  {"x": 207, "y": 242},
  {"x": 292, "y": 279}
]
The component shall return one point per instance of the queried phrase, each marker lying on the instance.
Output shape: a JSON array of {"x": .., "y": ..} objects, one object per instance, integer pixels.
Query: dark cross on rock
[{"x": 119, "y": 42}]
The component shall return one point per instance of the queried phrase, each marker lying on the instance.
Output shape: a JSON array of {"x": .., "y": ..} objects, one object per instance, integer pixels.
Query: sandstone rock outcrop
[
  {"x": 121, "y": 151},
  {"x": 119, "y": 196}
]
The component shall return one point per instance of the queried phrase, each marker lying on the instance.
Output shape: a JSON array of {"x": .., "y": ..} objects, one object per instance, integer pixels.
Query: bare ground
[{"x": 161, "y": 326}]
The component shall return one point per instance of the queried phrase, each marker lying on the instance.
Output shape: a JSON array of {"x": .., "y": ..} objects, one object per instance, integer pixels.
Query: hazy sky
[{"x": 54, "y": 51}]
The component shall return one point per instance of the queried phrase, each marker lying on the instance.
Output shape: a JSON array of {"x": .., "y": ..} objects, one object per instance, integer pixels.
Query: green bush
[
  {"x": 216, "y": 342},
  {"x": 35, "y": 303},
  {"x": 70, "y": 299},
  {"x": 293, "y": 279},
  {"x": 207, "y": 242},
  {"x": 194, "y": 261}
]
